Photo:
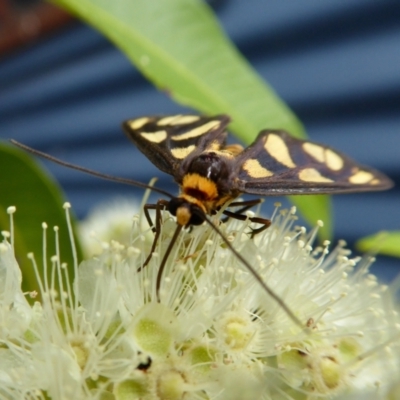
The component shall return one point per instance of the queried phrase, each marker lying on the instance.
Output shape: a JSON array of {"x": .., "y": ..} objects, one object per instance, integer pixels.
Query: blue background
[{"x": 337, "y": 65}]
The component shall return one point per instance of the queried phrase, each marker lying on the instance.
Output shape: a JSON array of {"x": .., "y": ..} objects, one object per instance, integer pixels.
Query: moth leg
[
  {"x": 265, "y": 222},
  {"x": 246, "y": 205},
  {"x": 258, "y": 220},
  {"x": 161, "y": 204},
  {"x": 146, "y": 209}
]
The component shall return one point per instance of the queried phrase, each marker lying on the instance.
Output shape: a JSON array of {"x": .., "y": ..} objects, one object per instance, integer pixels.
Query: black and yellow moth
[{"x": 210, "y": 173}]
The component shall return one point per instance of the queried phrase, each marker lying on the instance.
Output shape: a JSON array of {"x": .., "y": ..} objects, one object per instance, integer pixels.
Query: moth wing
[
  {"x": 167, "y": 140},
  {"x": 279, "y": 164}
]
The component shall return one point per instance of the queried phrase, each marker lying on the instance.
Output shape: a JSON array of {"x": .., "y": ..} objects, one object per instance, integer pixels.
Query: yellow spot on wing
[
  {"x": 187, "y": 119},
  {"x": 178, "y": 119},
  {"x": 255, "y": 169},
  {"x": 312, "y": 175},
  {"x": 361, "y": 177},
  {"x": 182, "y": 152},
  {"x": 332, "y": 160},
  {"x": 138, "y": 123},
  {"x": 200, "y": 130},
  {"x": 314, "y": 150},
  {"x": 277, "y": 149},
  {"x": 168, "y": 120},
  {"x": 154, "y": 137}
]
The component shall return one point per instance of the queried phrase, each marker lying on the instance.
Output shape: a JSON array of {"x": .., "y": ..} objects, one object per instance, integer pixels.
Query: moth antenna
[
  {"x": 258, "y": 278},
  {"x": 108, "y": 177}
]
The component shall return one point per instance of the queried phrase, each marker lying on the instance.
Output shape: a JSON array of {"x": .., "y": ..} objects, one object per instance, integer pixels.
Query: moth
[{"x": 212, "y": 174}]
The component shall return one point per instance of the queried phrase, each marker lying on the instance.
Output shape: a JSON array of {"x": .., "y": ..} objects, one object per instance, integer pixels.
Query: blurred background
[{"x": 64, "y": 89}]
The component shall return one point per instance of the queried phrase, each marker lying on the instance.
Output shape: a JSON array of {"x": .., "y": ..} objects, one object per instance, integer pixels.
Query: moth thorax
[
  {"x": 199, "y": 187},
  {"x": 210, "y": 165}
]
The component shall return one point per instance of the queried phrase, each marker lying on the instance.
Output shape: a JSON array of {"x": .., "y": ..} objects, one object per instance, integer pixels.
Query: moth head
[{"x": 186, "y": 213}]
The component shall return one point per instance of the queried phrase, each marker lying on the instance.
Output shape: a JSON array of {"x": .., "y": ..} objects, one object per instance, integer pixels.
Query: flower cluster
[
  {"x": 211, "y": 331},
  {"x": 107, "y": 221}
]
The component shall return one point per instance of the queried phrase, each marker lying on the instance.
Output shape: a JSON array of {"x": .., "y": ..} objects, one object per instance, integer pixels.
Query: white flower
[
  {"x": 108, "y": 221},
  {"x": 215, "y": 333}
]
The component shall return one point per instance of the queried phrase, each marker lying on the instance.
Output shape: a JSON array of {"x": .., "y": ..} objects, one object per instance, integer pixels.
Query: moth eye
[
  {"x": 174, "y": 204},
  {"x": 197, "y": 217}
]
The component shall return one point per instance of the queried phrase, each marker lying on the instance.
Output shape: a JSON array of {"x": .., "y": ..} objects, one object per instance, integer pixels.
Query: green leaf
[
  {"x": 180, "y": 47},
  {"x": 38, "y": 199},
  {"x": 384, "y": 242}
]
